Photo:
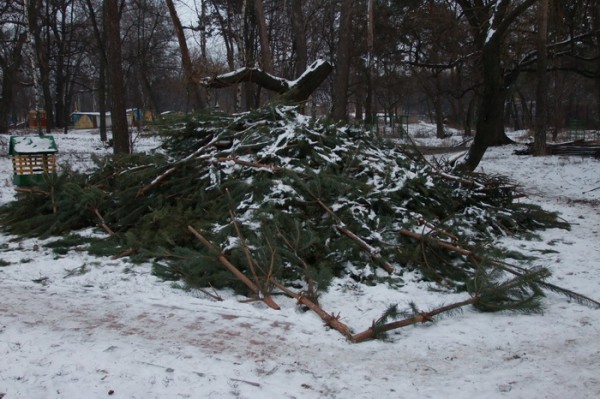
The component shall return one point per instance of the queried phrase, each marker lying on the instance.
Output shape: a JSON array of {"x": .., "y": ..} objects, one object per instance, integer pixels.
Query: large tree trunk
[
  {"x": 596, "y": 19},
  {"x": 265, "y": 48},
  {"x": 490, "y": 24},
  {"x": 370, "y": 112},
  {"x": 194, "y": 95},
  {"x": 40, "y": 48},
  {"x": 299, "y": 36},
  {"x": 100, "y": 35},
  {"x": 120, "y": 130},
  {"x": 541, "y": 104},
  {"x": 102, "y": 90},
  {"x": 339, "y": 110},
  {"x": 490, "y": 112},
  {"x": 10, "y": 69}
]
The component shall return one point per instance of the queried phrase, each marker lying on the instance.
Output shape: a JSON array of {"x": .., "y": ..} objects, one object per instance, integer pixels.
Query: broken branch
[
  {"x": 329, "y": 319},
  {"x": 236, "y": 272}
]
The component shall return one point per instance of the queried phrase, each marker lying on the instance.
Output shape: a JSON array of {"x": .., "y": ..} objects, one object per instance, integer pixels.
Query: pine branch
[
  {"x": 311, "y": 289},
  {"x": 174, "y": 168},
  {"x": 577, "y": 297},
  {"x": 372, "y": 252},
  {"x": 421, "y": 317},
  {"x": 519, "y": 294},
  {"x": 127, "y": 252},
  {"x": 443, "y": 244},
  {"x": 247, "y": 163},
  {"x": 236, "y": 272},
  {"x": 515, "y": 270},
  {"x": 102, "y": 222},
  {"x": 214, "y": 295},
  {"x": 33, "y": 190},
  {"x": 329, "y": 319},
  {"x": 249, "y": 259}
]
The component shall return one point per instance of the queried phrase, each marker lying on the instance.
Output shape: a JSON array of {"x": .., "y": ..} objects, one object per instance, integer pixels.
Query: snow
[
  {"x": 33, "y": 145},
  {"x": 78, "y": 326}
]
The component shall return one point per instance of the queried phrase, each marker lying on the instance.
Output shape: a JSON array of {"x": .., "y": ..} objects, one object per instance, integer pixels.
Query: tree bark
[
  {"x": 10, "y": 69},
  {"x": 339, "y": 110},
  {"x": 194, "y": 95},
  {"x": 265, "y": 48},
  {"x": 539, "y": 143},
  {"x": 299, "y": 36},
  {"x": 294, "y": 93},
  {"x": 100, "y": 35},
  {"x": 40, "y": 48},
  {"x": 490, "y": 115},
  {"x": 120, "y": 130},
  {"x": 490, "y": 24},
  {"x": 370, "y": 112}
]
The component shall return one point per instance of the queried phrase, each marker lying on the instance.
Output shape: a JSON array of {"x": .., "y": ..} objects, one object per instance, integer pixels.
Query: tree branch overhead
[{"x": 294, "y": 91}]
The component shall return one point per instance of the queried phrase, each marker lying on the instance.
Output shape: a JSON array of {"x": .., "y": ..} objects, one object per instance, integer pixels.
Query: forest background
[{"x": 475, "y": 65}]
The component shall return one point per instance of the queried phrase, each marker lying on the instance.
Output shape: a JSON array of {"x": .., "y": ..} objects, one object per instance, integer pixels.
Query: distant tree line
[{"x": 478, "y": 65}]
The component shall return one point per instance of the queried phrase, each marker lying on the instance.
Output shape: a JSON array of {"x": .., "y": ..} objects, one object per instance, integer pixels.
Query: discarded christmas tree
[{"x": 286, "y": 199}]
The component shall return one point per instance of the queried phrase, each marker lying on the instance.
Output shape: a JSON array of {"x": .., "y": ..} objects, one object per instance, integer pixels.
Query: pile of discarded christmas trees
[{"x": 273, "y": 201}]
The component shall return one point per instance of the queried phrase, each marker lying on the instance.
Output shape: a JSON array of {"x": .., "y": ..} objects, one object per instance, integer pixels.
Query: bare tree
[
  {"x": 100, "y": 36},
  {"x": 490, "y": 23},
  {"x": 539, "y": 144},
  {"x": 120, "y": 130},
  {"x": 13, "y": 37},
  {"x": 339, "y": 110},
  {"x": 194, "y": 95},
  {"x": 265, "y": 49},
  {"x": 299, "y": 36}
]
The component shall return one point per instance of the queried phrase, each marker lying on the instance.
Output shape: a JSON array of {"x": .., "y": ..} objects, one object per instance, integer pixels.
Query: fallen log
[{"x": 571, "y": 148}]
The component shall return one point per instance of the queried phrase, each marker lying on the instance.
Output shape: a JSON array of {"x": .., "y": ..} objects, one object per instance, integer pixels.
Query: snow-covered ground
[{"x": 76, "y": 326}]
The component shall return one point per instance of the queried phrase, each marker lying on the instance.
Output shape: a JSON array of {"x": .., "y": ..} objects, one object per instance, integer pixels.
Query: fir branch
[
  {"x": 245, "y": 249},
  {"x": 515, "y": 270},
  {"x": 371, "y": 251},
  {"x": 236, "y": 272},
  {"x": 127, "y": 252},
  {"x": 420, "y": 317},
  {"x": 174, "y": 168},
  {"x": 331, "y": 320},
  {"x": 293, "y": 248},
  {"x": 102, "y": 221},
  {"x": 241, "y": 162},
  {"x": 214, "y": 295},
  {"x": 572, "y": 295}
]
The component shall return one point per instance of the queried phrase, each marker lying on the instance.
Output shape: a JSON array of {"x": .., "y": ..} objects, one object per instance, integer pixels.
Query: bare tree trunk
[
  {"x": 100, "y": 35},
  {"x": 265, "y": 47},
  {"x": 541, "y": 104},
  {"x": 41, "y": 55},
  {"x": 102, "y": 89},
  {"x": 370, "y": 117},
  {"x": 596, "y": 20},
  {"x": 194, "y": 95},
  {"x": 339, "y": 110},
  {"x": 120, "y": 130},
  {"x": 490, "y": 114},
  {"x": 10, "y": 69},
  {"x": 299, "y": 36},
  {"x": 490, "y": 24}
]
